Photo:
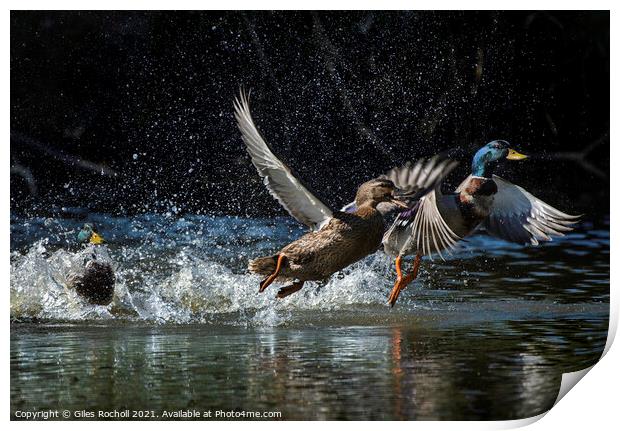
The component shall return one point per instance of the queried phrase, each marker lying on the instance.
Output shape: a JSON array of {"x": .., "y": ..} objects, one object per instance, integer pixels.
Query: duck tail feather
[{"x": 263, "y": 265}]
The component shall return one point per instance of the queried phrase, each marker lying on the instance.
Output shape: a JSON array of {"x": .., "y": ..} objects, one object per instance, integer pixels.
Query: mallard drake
[
  {"x": 437, "y": 221},
  {"x": 94, "y": 277},
  {"x": 338, "y": 238}
]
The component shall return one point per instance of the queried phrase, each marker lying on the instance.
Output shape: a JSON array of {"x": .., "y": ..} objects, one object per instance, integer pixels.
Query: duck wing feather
[
  {"x": 292, "y": 194},
  {"x": 518, "y": 216},
  {"x": 412, "y": 181},
  {"x": 422, "y": 228}
]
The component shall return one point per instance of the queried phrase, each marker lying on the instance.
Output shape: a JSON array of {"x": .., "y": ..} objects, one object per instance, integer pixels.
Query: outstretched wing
[
  {"x": 421, "y": 229},
  {"x": 281, "y": 183},
  {"x": 519, "y": 216},
  {"x": 415, "y": 180}
]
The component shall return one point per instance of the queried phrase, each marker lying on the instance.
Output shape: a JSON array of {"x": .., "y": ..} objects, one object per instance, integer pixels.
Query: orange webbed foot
[
  {"x": 289, "y": 290},
  {"x": 282, "y": 260},
  {"x": 402, "y": 282}
]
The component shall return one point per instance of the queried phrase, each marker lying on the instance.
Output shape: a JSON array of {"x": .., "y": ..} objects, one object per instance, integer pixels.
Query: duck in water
[
  {"x": 339, "y": 238},
  {"x": 437, "y": 221},
  {"x": 345, "y": 239},
  {"x": 94, "y": 277}
]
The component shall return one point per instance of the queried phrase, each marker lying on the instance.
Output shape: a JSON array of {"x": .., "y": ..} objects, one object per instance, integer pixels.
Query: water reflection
[
  {"x": 502, "y": 370},
  {"x": 485, "y": 335}
]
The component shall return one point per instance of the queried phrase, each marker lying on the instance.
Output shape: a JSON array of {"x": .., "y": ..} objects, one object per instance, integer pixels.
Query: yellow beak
[
  {"x": 95, "y": 238},
  {"x": 514, "y": 155}
]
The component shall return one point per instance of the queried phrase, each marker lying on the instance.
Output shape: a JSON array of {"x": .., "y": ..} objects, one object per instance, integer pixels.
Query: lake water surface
[{"x": 484, "y": 335}]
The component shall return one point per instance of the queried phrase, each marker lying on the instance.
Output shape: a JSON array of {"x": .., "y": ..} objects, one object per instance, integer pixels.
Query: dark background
[{"x": 129, "y": 112}]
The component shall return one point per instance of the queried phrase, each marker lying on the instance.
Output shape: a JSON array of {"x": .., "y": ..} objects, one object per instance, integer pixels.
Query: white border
[{"x": 591, "y": 404}]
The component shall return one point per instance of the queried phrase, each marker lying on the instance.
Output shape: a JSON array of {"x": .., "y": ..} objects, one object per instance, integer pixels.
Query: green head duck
[
  {"x": 486, "y": 158},
  {"x": 88, "y": 235}
]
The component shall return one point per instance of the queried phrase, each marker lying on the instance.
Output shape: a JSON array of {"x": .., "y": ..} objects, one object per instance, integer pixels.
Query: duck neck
[
  {"x": 365, "y": 202},
  {"x": 480, "y": 167},
  {"x": 367, "y": 210}
]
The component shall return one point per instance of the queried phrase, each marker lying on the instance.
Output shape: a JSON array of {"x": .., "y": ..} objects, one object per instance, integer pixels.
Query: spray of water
[{"x": 164, "y": 274}]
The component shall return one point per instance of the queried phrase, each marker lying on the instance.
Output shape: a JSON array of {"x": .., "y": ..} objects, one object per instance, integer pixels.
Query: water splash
[
  {"x": 183, "y": 279},
  {"x": 193, "y": 269}
]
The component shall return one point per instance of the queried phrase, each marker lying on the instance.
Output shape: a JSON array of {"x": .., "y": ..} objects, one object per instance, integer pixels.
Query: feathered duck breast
[{"x": 432, "y": 222}]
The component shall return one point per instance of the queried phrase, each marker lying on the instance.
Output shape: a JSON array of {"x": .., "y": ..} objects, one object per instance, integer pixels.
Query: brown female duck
[
  {"x": 339, "y": 238},
  {"x": 345, "y": 239}
]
